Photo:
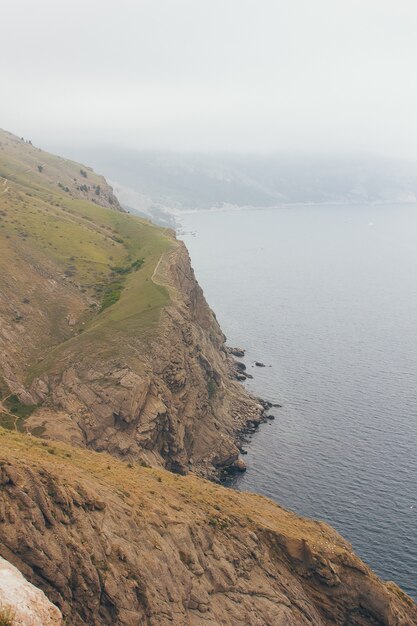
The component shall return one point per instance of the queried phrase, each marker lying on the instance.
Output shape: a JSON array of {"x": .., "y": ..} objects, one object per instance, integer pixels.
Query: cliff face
[
  {"x": 167, "y": 399},
  {"x": 107, "y": 340},
  {"x": 108, "y": 346},
  {"x": 113, "y": 544}
]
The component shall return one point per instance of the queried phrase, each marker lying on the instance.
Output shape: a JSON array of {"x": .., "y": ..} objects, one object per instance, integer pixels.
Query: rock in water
[
  {"x": 29, "y": 606},
  {"x": 239, "y": 352},
  {"x": 239, "y": 466}
]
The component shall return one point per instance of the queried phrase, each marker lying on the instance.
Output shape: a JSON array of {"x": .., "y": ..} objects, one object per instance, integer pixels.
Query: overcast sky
[{"x": 322, "y": 75}]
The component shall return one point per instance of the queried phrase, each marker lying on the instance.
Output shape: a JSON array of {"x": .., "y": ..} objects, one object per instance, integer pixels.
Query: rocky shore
[
  {"x": 256, "y": 415},
  {"x": 118, "y": 397},
  {"x": 112, "y": 544}
]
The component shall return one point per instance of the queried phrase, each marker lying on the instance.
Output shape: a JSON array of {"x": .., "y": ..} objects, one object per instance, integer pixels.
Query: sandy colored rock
[
  {"x": 28, "y": 605},
  {"x": 112, "y": 544}
]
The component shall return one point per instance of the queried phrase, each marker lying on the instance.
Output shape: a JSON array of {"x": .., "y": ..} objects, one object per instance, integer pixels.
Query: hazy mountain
[{"x": 181, "y": 181}]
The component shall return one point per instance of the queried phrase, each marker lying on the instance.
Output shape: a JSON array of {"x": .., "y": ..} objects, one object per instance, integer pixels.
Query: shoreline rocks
[
  {"x": 252, "y": 419},
  {"x": 239, "y": 352}
]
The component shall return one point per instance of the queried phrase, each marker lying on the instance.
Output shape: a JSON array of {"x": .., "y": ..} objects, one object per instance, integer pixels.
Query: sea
[{"x": 326, "y": 298}]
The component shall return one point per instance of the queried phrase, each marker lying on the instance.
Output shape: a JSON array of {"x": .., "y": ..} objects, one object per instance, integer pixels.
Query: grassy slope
[
  {"x": 151, "y": 487},
  {"x": 47, "y": 224},
  {"x": 116, "y": 523}
]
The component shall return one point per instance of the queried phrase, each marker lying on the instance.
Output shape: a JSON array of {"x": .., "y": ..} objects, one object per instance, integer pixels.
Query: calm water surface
[{"x": 327, "y": 297}]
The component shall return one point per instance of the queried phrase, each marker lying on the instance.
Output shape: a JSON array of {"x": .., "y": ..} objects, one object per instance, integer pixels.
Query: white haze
[{"x": 237, "y": 75}]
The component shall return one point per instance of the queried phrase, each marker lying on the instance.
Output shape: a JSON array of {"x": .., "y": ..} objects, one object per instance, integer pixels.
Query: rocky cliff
[
  {"x": 113, "y": 369},
  {"x": 107, "y": 341},
  {"x": 167, "y": 398},
  {"x": 114, "y": 544}
]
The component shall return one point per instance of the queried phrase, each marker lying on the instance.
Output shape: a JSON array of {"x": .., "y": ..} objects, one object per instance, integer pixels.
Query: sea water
[{"x": 326, "y": 298}]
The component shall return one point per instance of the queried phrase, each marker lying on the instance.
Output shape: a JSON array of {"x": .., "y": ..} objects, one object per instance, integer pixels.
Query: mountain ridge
[{"x": 157, "y": 181}]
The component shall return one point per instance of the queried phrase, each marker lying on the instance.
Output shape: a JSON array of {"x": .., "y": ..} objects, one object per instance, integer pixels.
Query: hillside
[
  {"x": 113, "y": 370},
  {"x": 192, "y": 181},
  {"x": 112, "y": 543},
  {"x": 106, "y": 340}
]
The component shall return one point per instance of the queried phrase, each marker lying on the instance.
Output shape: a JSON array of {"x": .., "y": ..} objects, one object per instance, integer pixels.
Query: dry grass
[
  {"x": 157, "y": 490},
  {"x": 7, "y": 616},
  {"x": 48, "y": 233}
]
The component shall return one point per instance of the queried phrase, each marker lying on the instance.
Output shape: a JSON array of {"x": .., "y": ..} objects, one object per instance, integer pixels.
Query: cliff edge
[
  {"x": 113, "y": 544},
  {"x": 106, "y": 340},
  {"x": 113, "y": 370}
]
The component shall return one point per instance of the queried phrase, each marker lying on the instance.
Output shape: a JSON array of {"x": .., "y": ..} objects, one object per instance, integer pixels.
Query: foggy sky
[{"x": 300, "y": 75}]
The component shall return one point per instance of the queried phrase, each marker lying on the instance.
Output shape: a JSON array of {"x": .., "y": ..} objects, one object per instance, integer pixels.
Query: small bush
[
  {"x": 216, "y": 522},
  {"x": 111, "y": 296},
  {"x": 15, "y": 406},
  {"x": 137, "y": 264},
  {"x": 83, "y": 173},
  {"x": 38, "y": 431},
  {"x": 211, "y": 387},
  {"x": 120, "y": 270}
]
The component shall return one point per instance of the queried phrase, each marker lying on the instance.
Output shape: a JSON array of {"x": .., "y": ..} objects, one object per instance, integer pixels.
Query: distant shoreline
[{"x": 177, "y": 213}]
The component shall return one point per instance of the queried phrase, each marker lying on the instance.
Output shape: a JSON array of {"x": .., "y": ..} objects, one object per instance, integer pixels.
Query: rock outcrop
[
  {"x": 112, "y": 544},
  {"x": 173, "y": 402},
  {"x": 22, "y": 603}
]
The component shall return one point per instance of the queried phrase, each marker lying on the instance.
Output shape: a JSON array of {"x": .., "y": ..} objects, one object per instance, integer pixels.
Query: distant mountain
[{"x": 179, "y": 181}]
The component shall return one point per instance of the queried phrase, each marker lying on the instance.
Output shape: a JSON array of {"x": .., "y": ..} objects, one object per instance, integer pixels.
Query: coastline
[
  {"x": 330, "y": 452},
  {"x": 251, "y": 423}
]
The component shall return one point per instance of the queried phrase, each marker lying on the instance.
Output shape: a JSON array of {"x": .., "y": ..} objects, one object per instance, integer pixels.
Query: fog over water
[{"x": 326, "y": 297}]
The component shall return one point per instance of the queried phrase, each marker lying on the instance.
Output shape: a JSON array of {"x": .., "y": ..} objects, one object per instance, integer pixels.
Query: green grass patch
[
  {"x": 111, "y": 296},
  {"x": 114, "y": 290},
  {"x": 108, "y": 255},
  {"x": 16, "y": 414},
  {"x": 211, "y": 387},
  {"x": 15, "y": 406},
  {"x": 7, "y": 421},
  {"x": 38, "y": 431}
]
